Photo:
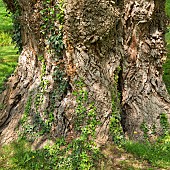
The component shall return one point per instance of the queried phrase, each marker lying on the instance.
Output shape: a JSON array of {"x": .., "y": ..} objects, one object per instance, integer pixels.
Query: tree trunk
[
  {"x": 144, "y": 95},
  {"x": 99, "y": 41}
]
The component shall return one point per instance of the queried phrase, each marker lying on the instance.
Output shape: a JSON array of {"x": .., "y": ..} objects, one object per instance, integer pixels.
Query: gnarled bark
[
  {"x": 90, "y": 33},
  {"x": 144, "y": 95}
]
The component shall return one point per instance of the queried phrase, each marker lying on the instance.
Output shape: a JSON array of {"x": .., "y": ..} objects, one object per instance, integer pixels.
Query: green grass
[
  {"x": 20, "y": 156},
  {"x": 5, "y": 26},
  {"x": 157, "y": 154},
  {"x": 8, "y": 62},
  {"x": 167, "y": 7},
  {"x": 8, "y": 55},
  {"x": 5, "y": 20},
  {"x": 5, "y": 39}
]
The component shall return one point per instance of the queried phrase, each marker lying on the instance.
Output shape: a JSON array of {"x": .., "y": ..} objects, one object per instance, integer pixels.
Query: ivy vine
[
  {"x": 16, "y": 38},
  {"x": 81, "y": 153},
  {"x": 52, "y": 25}
]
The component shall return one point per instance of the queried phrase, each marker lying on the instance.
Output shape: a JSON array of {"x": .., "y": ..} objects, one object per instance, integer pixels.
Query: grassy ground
[
  {"x": 157, "y": 154},
  {"x": 132, "y": 156},
  {"x": 8, "y": 62},
  {"x": 5, "y": 21},
  {"x": 8, "y": 55}
]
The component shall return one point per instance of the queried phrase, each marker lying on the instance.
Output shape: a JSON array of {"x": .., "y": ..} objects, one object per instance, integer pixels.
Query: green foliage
[
  {"x": 145, "y": 130},
  {"x": 164, "y": 123},
  {"x": 52, "y": 25},
  {"x": 76, "y": 155},
  {"x": 115, "y": 126},
  {"x": 33, "y": 123},
  {"x": 61, "y": 81}
]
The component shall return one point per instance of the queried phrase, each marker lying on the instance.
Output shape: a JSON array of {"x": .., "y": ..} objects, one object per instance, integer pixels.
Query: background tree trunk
[
  {"x": 144, "y": 95},
  {"x": 99, "y": 41}
]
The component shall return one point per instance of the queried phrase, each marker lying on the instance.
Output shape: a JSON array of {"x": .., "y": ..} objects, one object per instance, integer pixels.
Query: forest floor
[{"x": 132, "y": 156}]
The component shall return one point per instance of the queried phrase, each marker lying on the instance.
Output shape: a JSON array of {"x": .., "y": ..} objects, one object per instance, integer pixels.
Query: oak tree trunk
[{"x": 109, "y": 46}]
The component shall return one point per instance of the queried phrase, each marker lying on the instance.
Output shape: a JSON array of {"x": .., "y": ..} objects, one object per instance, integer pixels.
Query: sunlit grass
[
  {"x": 8, "y": 55},
  {"x": 8, "y": 62},
  {"x": 157, "y": 154},
  {"x": 5, "y": 39},
  {"x": 19, "y": 156},
  {"x": 5, "y": 20},
  {"x": 5, "y": 26}
]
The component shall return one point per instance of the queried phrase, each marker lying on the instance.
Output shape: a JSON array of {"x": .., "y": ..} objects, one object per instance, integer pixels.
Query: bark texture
[
  {"x": 93, "y": 38},
  {"x": 26, "y": 77},
  {"x": 144, "y": 95},
  {"x": 90, "y": 33},
  {"x": 100, "y": 37}
]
